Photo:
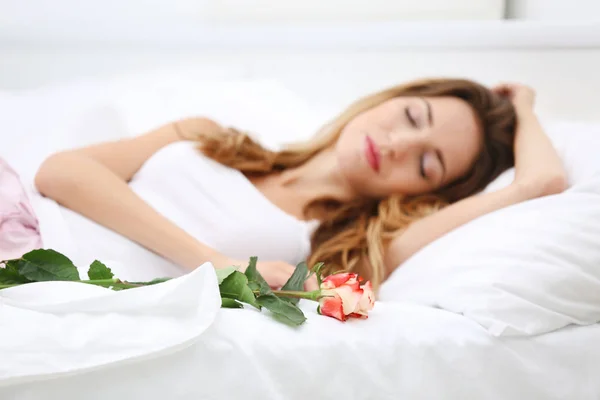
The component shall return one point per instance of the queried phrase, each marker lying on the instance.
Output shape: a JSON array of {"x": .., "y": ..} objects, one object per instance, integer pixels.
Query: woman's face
[{"x": 409, "y": 145}]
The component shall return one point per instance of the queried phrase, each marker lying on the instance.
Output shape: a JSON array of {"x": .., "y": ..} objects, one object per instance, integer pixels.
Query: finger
[
  {"x": 503, "y": 93},
  {"x": 311, "y": 284},
  {"x": 277, "y": 281},
  {"x": 503, "y": 85},
  {"x": 503, "y": 88},
  {"x": 268, "y": 274},
  {"x": 285, "y": 273},
  {"x": 280, "y": 273}
]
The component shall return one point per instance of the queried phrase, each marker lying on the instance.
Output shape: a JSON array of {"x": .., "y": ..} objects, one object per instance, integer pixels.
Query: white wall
[
  {"x": 90, "y": 13},
  {"x": 566, "y": 80},
  {"x": 353, "y": 10},
  {"x": 557, "y": 10},
  {"x": 46, "y": 42}
]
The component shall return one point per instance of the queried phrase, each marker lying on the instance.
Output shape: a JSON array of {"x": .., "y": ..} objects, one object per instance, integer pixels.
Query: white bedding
[{"x": 402, "y": 351}]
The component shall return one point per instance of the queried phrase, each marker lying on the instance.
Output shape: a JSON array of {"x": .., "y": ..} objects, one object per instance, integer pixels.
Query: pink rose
[
  {"x": 367, "y": 301},
  {"x": 343, "y": 297}
]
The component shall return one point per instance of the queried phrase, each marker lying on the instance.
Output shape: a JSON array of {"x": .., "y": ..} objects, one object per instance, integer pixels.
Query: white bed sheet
[{"x": 402, "y": 351}]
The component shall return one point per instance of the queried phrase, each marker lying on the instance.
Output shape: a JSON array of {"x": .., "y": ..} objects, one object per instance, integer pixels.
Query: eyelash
[
  {"x": 422, "y": 167},
  {"x": 409, "y": 117}
]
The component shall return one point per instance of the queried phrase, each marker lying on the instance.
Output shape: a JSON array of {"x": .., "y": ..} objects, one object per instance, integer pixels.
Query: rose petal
[
  {"x": 350, "y": 298},
  {"x": 353, "y": 281},
  {"x": 327, "y": 285},
  {"x": 337, "y": 280},
  {"x": 367, "y": 301},
  {"x": 332, "y": 306}
]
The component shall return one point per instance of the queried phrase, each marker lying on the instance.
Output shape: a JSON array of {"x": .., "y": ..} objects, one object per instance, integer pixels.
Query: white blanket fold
[{"x": 53, "y": 328}]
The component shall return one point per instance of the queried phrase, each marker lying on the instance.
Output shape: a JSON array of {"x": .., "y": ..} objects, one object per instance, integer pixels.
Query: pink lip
[{"x": 372, "y": 154}]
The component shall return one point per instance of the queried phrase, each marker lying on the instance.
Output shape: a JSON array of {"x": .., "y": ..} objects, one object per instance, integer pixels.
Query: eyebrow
[{"x": 429, "y": 113}]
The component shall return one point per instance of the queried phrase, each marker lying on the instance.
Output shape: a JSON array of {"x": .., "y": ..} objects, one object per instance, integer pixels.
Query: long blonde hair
[{"x": 352, "y": 236}]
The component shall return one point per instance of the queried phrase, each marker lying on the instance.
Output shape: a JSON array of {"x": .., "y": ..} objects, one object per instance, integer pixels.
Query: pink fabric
[{"x": 19, "y": 227}]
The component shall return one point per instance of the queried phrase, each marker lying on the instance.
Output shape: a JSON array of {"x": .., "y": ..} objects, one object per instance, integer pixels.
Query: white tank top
[{"x": 215, "y": 204}]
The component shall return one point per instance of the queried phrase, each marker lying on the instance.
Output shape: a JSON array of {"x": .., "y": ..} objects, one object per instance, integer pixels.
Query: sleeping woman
[{"x": 390, "y": 174}]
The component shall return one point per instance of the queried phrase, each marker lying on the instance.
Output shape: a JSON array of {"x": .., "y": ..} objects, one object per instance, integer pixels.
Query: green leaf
[
  {"x": 46, "y": 265},
  {"x": 255, "y": 287},
  {"x": 223, "y": 273},
  {"x": 235, "y": 286},
  {"x": 296, "y": 282},
  {"x": 99, "y": 271},
  {"x": 9, "y": 275},
  {"x": 255, "y": 279},
  {"x": 230, "y": 303},
  {"x": 282, "y": 311}
]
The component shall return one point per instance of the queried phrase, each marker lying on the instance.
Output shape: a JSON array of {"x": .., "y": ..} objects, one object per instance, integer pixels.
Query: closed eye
[
  {"x": 410, "y": 117},
  {"x": 431, "y": 167},
  {"x": 422, "y": 167}
]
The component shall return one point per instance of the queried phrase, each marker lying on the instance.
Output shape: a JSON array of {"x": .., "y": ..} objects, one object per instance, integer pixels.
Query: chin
[{"x": 355, "y": 171}]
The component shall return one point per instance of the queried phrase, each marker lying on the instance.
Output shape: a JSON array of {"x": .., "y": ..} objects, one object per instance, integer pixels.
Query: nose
[{"x": 401, "y": 144}]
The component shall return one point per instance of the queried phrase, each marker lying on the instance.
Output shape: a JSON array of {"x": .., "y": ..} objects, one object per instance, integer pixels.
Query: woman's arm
[
  {"x": 538, "y": 168},
  {"x": 125, "y": 157},
  {"x": 93, "y": 182},
  {"x": 538, "y": 172}
]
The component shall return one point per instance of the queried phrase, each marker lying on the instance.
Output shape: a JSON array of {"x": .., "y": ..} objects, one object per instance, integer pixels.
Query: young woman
[{"x": 392, "y": 173}]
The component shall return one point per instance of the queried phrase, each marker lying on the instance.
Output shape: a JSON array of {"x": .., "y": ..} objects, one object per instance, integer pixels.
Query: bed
[
  {"x": 173, "y": 342},
  {"x": 403, "y": 350}
]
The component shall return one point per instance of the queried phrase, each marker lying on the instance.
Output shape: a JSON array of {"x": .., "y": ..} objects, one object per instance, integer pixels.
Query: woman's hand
[
  {"x": 522, "y": 96},
  {"x": 539, "y": 170},
  {"x": 276, "y": 273}
]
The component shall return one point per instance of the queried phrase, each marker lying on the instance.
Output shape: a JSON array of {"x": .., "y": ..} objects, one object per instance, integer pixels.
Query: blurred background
[{"x": 327, "y": 51}]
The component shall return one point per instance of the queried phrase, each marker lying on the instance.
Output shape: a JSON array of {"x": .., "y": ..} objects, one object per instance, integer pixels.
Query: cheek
[
  {"x": 344, "y": 148},
  {"x": 405, "y": 181},
  {"x": 345, "y": 152},
  {"x": 350, "y": 167},
  {"x": 354, "y": 169}
]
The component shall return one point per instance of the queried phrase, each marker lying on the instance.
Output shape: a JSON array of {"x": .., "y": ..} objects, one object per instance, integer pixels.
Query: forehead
[{"x": 453, "y": 113}]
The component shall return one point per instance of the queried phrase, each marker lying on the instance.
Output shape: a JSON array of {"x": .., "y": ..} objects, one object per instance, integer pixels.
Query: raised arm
[
  {"x": 538, "y": 172},
  {"x": 93, "y": 182}
]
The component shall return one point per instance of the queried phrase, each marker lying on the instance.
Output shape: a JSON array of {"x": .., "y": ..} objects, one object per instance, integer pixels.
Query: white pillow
[
  {"x": 93, "y": 111},
  {"x": 526, "y": 269},
  {"x": 266, "y": 108},
  {"x": 41, "y": 121}
]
